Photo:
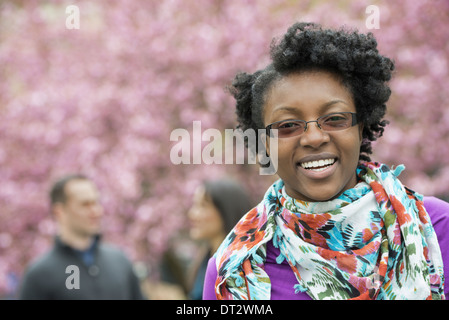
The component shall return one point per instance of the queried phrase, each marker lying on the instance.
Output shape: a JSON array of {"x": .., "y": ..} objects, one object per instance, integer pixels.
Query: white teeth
[{"x": 318, "y": 164}]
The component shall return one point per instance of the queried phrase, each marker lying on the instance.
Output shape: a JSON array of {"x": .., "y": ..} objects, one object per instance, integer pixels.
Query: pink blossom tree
[{"x": 103, "y": 99}]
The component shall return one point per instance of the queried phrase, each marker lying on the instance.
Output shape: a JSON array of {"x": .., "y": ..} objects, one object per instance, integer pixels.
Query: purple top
[{"x": 282, "y": 277}]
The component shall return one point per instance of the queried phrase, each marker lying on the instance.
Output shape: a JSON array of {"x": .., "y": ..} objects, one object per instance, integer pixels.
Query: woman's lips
[{"x": 320, "y": 172}]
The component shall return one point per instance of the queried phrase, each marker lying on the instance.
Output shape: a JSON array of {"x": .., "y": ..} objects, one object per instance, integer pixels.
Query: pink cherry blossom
[{"x": 103, "y": 99}]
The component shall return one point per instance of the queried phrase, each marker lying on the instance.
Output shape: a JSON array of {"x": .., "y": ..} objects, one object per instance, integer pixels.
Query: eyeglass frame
[{"x": 354, "y": 122}]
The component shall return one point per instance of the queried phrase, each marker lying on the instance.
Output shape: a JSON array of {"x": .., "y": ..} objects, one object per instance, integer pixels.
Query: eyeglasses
[{"x": 330, "y": 122}]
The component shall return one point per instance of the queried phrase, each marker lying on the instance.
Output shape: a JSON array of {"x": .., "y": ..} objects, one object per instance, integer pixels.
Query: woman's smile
[{"x": 317, "y": 164}]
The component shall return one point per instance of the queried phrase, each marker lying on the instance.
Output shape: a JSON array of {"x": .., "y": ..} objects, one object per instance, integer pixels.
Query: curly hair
[{"x": 351, "y": 55}]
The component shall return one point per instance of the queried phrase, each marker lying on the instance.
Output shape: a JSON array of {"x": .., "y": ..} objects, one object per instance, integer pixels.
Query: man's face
[{"x": 82, "y": 212}]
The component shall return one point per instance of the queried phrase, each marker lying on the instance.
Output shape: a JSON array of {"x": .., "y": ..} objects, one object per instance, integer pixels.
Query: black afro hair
[{"x": 351, "y": 55}]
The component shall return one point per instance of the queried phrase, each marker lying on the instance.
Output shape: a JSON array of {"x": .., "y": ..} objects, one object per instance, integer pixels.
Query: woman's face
[
  {"x": 308, "y": 96},
  {"x": 205, "y": 219}
]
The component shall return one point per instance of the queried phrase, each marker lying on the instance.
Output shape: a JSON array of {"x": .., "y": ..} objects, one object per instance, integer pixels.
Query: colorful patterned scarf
[{"x": 375, "y": 241}]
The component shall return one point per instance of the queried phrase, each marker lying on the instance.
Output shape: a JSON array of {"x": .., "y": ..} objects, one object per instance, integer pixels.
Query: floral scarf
[{"x": 375, "y": 241}]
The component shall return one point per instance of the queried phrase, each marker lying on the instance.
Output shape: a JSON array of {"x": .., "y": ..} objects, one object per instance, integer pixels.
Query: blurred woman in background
[{"x": 217, "y": 206}]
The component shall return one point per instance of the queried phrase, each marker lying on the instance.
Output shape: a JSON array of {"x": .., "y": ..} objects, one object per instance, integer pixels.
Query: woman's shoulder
[
  {"x": 438, "y": 211},
  {"x": 209, "y": 280},
  {"x": 437, "y": 208},
  {"x": 435, "y": 201}
]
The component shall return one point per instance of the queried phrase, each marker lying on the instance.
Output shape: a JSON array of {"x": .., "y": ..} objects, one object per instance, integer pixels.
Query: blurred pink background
[{"x": 104, "y": 98}]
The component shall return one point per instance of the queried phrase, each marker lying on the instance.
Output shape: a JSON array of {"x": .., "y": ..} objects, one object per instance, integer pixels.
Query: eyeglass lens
[{"x": 330, "y": 122}]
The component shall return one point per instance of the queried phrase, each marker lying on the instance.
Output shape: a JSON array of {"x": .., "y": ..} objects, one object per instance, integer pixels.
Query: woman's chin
[{"x": 314, "y": 194}]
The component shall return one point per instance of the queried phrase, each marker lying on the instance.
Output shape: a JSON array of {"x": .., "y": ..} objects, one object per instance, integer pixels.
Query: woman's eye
[
  {"x": 336, "y": 121},
  {"x": 335, "y": 118},
  {"x": 288, "y": 125}
]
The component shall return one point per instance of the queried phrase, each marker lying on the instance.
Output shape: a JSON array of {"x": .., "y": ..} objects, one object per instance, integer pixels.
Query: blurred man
[{"x": 79, "y": 266}]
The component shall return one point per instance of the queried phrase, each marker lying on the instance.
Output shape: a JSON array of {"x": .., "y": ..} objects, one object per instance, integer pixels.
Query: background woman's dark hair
[
  {"x": 230, "y": 198},
  {"x": 352, "y": 56}
]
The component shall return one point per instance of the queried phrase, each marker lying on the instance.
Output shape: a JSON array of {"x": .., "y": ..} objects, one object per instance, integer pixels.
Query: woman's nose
[{"x": 313, "y": 136}]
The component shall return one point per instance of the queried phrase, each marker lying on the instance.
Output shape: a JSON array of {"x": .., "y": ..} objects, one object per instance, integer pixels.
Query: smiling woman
[
  {"x": 310, "y": 95},
  {"x": 335, "y": 225}
]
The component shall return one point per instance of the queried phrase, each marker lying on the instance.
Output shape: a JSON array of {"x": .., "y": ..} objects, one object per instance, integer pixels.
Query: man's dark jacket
[{"x": 62, "y": 274}]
